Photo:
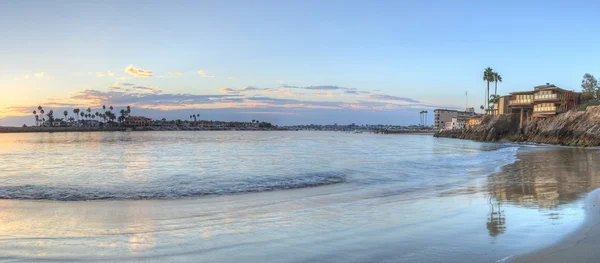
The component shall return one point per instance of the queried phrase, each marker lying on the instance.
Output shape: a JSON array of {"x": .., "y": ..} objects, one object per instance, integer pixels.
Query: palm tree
[
  {"x": 65, "y": 113},
  {"x": 76, "y": 112},
  {"x": 488, "y": 76},
  {"x": 481, "y": 107},
  {"x": 111, "y": 108},
  {"x": 82, "y": 114},
  {"x": 104, "y": 108},
  {"x": 35, "y": 114},
  {"x": 497, "y": 78},
  {"x": 37, "y": 120},
  {"x": 122, "y": 117}
]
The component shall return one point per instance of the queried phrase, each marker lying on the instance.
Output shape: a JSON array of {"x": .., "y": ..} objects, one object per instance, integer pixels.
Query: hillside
[{"x": 573, "y": 128}]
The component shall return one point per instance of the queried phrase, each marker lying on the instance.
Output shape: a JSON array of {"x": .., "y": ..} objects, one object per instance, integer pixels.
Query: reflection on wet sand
[
  {"x": 547, "y": 178},
  {"x": 543, "y": 179}
]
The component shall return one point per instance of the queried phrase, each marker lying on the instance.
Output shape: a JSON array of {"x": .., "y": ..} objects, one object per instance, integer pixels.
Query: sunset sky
[{"x": 288, "y": 62}]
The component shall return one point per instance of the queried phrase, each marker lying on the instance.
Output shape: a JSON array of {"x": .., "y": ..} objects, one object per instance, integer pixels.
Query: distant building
[
  {"x": 473, "y": 122},
  {"x": 470, "y": 109},
  {"x": 138, "y": 121},
  {"x": 443, "y": 116},
  {"x": 457, "y": 123}
]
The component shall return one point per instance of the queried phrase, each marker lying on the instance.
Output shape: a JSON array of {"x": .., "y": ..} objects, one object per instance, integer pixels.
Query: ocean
[{"x": 277, "y": 196}]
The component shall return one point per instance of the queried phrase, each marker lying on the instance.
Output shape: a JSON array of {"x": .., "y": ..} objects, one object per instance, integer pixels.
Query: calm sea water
[{"x": 283, "y": 197}]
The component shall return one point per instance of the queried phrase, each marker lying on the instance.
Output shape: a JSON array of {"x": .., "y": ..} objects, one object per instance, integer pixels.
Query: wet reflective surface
[{"x": 404, "y": 198}]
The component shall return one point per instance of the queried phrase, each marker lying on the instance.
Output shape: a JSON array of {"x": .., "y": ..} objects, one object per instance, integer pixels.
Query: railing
[
  {"x": 545, "y": 109},
  {"x": 523, "y": 101},
  {"x": 546, "y": 96}
]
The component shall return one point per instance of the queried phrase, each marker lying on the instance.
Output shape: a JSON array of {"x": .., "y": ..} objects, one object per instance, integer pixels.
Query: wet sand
[{"x": 580, "y": 246}]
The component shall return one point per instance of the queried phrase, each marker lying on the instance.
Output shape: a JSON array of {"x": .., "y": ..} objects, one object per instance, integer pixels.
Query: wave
[{"x": 174, "y": 190}]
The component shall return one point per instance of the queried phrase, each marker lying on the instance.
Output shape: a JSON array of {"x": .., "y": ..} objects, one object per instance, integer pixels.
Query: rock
[{"x": 573, "y": 128}]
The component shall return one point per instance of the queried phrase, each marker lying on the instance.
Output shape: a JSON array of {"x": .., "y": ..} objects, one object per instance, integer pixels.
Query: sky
[{"x": 286, "y": 62}]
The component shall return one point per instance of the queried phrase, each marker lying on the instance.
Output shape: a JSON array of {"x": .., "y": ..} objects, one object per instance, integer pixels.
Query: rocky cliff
[{"x": 573, "y": 128}]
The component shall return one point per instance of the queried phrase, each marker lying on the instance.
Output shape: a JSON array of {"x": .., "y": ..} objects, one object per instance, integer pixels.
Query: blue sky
[{"x": 425, "y": 51}]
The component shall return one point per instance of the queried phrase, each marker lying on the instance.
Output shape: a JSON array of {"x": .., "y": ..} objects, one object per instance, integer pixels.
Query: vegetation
[
  {"x": 488, "y": 76},
  {"x": 590, "y": 92},
  {"x": 83, "y": 117}
]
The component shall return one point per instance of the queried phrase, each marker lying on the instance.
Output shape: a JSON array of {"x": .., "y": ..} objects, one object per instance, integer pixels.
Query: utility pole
[{"x": 467, "y": 103}]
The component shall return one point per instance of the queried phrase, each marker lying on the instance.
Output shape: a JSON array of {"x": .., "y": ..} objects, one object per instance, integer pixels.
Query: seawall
[{"x": 573, "y": 128}]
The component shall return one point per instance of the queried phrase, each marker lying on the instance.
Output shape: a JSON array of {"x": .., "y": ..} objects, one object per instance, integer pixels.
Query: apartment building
[{"x": 444, "y": 116}]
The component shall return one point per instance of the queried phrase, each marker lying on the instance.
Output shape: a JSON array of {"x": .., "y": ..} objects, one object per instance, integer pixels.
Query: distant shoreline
[{"x": 123, "y": 129}]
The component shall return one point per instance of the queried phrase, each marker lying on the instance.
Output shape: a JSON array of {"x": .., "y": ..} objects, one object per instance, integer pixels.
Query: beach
[
  {"x": 285, "y": 197},
  {"x": 579, "y": 246}
]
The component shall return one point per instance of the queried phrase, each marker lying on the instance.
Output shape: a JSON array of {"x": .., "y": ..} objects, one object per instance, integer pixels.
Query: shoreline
[
  {"x": 578, "y": 246},
  {"x": 125, "y": 129}
]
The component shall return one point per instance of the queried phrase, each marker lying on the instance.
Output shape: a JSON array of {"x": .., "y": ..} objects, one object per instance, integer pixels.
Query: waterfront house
[
  {"x": 138, "y": 121},
  {"x": 502, "y": 106},
  {"x": 543, "y": 102}
]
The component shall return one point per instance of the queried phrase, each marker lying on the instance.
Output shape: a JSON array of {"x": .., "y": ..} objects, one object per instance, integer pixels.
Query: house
[
  {"x": 502, "y": 106},
  {"x": 138, "y": 121},
  {"x": 550, "y": 100},
  {"x": 544, "y": 101}
]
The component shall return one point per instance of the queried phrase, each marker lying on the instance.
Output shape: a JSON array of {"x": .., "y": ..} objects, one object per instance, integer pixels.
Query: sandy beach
[{"x": 580, "y": 246}]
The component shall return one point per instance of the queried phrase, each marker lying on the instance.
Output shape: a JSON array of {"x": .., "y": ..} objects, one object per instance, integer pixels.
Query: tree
[
  {"x": 36, "y": 117},
  {"x": 497, "y": 78},
  {"x": 50, "y": 117},
  {"x": 111, "y": 108},
  {"x": 104, "y": 108},
  {"x": 488, "y": 76},
  {"x": 37, "y": 120},
  {"x": 76, "y": 112},
  {"x": 590, "y": 84},
  {"x": 481, "y": 107},
  {"x": 82, "y": 114}
]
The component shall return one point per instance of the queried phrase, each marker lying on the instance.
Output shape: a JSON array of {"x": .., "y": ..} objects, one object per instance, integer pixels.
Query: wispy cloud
[
  {"x": 242, "y": 90},
  {"x": 390, "y": 97},
  {"x": 327, "y": 88},
  {"x": 39, "y": 74},
  {"x": 112, "y": 74},
  {"x": 144, "y": 88},
  {"x": 114, "y": 86},
  {"x": 127, "y": 84},
  {"x": 203, "y": 74},
  {"x": 99, "y": 74},
  {"x": 175, "y": 73},
  {"x": 138, "y": 72}
]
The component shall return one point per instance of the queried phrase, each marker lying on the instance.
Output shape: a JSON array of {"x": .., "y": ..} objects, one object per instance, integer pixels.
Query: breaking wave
[{"x": 173, "y": 190}]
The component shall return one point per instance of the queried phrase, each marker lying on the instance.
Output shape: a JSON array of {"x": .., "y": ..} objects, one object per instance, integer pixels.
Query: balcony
[
  {"x": 522, "y": 102},
  {"x": 545, "y": 109},
  {"x": 546, "y": 97}
]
